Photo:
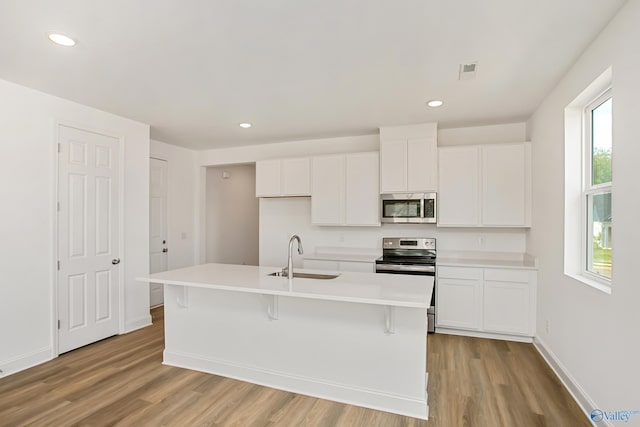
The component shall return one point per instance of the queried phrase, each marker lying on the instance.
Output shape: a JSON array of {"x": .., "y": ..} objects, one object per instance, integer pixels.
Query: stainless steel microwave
[{"x": 410, "y": 208}]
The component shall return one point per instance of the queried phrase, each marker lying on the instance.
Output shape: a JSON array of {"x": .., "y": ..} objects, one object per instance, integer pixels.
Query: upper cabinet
[
  {"x": 459, "y": 191},
  {"x": 408, "y": 159},
  {"x": 283, "y": 177},
  {"x": 485, "y": 185},
  {"x": 345, "y": 190}
]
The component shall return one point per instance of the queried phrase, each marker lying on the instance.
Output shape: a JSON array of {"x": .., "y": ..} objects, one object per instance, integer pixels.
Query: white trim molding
[
  {"x": 403, "y": 405},
  {"x": 139, "y": 323},
  {"x": 576, "y": 391},
  {"x": 25, "y": 361}
]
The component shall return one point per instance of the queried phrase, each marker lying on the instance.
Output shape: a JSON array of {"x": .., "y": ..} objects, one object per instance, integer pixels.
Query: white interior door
[
  {"x": 157, "y": 227},
  {"x": 88, "y": 237}
]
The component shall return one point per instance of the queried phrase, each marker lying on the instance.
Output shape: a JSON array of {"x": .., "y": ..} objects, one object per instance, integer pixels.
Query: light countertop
[
  {"x": 488, "y": 260},
  {"x": 366, "y": 288}
]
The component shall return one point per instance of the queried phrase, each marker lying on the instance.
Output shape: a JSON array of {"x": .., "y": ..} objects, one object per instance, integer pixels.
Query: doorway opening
[{"x": 232, "y": 215}]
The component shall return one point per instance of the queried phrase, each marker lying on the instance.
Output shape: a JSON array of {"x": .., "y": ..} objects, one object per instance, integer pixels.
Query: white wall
[
  {"x": 232, "y": 215},
  {"x": 27, "y": 226},
  {"x": 594, "y": 335},
  {"x": 282, "y": 217},
  {"x": 181, "y": 202},
  {"x": 494, "y": 134}
]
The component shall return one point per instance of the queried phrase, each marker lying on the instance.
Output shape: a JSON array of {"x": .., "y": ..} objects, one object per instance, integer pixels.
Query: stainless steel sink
[{"x": 305, "y": 275}]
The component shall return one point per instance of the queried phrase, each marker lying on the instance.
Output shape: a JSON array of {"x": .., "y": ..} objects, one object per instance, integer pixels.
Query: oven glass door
[{"x": 402, "y": 208}]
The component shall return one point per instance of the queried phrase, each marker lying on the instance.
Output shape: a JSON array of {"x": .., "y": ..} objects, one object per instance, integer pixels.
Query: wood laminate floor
[{"x": 121, "y": 381}]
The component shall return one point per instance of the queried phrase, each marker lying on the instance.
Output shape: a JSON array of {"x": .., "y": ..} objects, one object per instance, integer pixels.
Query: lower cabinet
[
  {"x": 490, "y": 300},
  {"x": 351, "y": 266},
  {"x": 458, "y": 303}
]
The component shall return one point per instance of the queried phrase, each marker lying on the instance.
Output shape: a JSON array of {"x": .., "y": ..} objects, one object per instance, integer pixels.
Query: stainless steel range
[{"x": 417, "y": 256}]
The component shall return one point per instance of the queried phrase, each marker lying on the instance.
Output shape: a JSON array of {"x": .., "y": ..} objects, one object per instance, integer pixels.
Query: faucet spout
[{"x": 293, "y": 238}]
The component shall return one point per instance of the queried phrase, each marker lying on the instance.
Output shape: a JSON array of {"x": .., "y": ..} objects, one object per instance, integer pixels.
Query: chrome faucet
[{"x": 290, "y": 260}]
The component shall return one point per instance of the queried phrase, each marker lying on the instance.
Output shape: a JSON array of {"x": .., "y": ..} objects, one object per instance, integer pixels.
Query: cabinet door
[
  {"x": 268, "y": 178},
  {"x": 458, "y": 180},
  {"x": 328, "y": 190},
  {"x": 362, "y": 189},
  {"x": 422, "y": 165},
  {"x": 459, "y": 303},
  {"x": 393, "y": 166},
  {"x": 295, "y": 177},
  {"x": 505, "y": 185},
  {"x": 507, "y": 307}
]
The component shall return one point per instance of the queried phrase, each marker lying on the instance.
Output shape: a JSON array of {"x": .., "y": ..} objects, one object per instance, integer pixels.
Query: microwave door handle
[{"x": 422, "y": 213}]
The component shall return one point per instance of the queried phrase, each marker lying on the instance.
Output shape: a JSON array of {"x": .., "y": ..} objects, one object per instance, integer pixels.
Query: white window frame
[
  {"x": 590, "y": 190},
  {"x": 576, "y": 169}
]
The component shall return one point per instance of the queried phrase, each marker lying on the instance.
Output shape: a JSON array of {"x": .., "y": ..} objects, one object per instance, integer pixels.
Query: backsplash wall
[{"x": 282, "y": 217}]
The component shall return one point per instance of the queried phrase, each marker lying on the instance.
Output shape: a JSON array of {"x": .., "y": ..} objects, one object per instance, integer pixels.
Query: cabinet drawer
[
  {"x": 460, "y": 273},
  {"x": 499, "y": 275}
]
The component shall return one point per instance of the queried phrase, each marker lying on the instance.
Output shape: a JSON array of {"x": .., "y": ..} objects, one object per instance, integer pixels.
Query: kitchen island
[{"x": 359, "y": 338}]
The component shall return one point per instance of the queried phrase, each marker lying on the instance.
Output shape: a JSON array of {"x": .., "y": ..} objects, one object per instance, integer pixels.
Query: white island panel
[{"x": 363, "y": 343}]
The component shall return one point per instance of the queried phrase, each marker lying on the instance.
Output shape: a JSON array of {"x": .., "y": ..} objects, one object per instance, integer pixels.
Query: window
[
  {"x": 588, "y": 142},
  {"x": 597, "y": 236}
]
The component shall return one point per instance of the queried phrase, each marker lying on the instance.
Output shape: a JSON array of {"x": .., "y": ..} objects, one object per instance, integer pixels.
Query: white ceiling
[{"x": 296, "y": 69}]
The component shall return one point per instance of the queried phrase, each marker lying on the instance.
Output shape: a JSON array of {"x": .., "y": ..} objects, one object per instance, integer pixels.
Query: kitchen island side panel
[{"x": 329, "y": 349}]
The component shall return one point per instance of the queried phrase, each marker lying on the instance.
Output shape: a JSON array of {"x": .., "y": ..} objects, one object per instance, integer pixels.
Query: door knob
[
  {"x": 115, "y": 261},
  {"x": 165, "y": 250}
]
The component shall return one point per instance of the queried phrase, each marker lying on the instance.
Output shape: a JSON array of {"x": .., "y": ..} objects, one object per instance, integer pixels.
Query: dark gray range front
[{"x": 416, "y": 256}]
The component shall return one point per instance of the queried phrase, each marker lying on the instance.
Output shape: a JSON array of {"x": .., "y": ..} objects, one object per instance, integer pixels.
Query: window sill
[{"x": 594, "y": 283}]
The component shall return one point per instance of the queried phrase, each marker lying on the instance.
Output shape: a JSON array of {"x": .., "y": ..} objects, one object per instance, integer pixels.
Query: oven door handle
[{"x": 381, "y": 268}]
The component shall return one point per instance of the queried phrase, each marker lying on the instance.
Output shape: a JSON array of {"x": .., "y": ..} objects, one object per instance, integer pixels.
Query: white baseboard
[
  {"x": 308, "y": 386},
  {"x": 573, "y": 387},
  {"x": 139, "y": 323},
  {"x": 25, "y": 361},
  {"x": 478, "y": 334}
]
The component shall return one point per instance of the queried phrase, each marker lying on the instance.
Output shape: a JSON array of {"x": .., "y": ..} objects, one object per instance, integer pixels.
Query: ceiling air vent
[{"x": 468, "y": 71}]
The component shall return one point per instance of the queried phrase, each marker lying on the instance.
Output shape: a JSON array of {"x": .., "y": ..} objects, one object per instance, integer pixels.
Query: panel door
[
  {"x": 458, "y": 180},
  {"x": 506, "y": 307},
  {"x": 268, "y": 178},
  {"x": 158, "y": 249},
  {"x": 328, "y": 190},
  {"x": 422, "y": 165},
  {"x": 393, "y": 166},
  {"x": 504, "y": 185},
  {"x": 459, "y": 303},
  {"x": 88, "y": 232},
  {"x": 295, "y": 177},
  {"x": 362, "y": 189}
]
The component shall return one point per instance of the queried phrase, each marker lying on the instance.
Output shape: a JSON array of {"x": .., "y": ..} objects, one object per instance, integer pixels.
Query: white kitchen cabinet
[
  {"x": 328, "y": 195},
  {"x": 494, "y": 301},
  {"x": 506, "y": 185},
  {"x": 458, "y": 195},
  {"x": 459, "y": 298},
  {"x": 350, "y": 266},
  {"x": 283, "y": 178},
  {"x": 345, "y": 190},
  {"x": 508, "y": 302},
  {"x": 484, "y": 185},
  {"x": 408, "y": 159},
  {"x": 362, "y": 205},
  {"x": 268, "y": 178}
]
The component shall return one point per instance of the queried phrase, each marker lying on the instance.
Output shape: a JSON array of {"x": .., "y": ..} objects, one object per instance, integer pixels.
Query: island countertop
[{"x": 366, "y": 288}]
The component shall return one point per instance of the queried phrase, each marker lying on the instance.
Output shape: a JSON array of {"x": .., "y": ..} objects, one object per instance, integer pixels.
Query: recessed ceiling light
[
  {"x": 434, "y": 103},
  {"x": 245, "y": 125},
  {"x": 62, "y": 40}
]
